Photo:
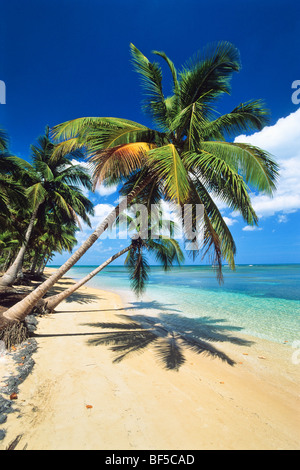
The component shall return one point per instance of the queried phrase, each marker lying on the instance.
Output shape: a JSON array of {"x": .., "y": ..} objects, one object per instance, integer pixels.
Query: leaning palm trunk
[
  {"x": 11, "y": 274},
  {"x": 52, "y": 302},
  {"x": 20, "y": 310}
]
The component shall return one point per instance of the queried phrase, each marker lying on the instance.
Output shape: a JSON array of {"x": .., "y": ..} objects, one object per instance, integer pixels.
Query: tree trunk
[
  {"x": 41, "y": 263},
  {"x": 34, "y": 262},
  {"x": 20, "y": 310},
  {"x": 54, "y": 300},
  {"x": 11, "y": 274},
  {"x": 7, "y": 261}
]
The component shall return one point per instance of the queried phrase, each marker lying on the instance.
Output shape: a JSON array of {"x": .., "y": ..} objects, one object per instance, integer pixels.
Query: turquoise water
[{"x": 260, "y": 300}]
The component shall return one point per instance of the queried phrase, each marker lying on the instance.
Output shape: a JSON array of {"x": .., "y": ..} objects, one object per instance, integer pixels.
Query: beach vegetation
[{"x": 54, "y": 197}]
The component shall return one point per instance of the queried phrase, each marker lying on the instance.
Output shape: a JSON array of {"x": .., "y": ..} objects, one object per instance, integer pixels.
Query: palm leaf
[
  {"x": 115, "y": 163},
  {"x": 225, "y": 238},
  {"x": 255, "y": 165},
  {"x": 246, "y": 117},
  {"x": 166, "y": 162},
  {"x": 138, "y": 267},
  {"x": 208, "y": 74},
  {"x": 172, "y": 69},
  {"x": 222, "y": 177},
  {"x": 36, "y": 194},
  {"x": 166, "y": 250},
  {"x": 151, "y": 75},
  {"x": 4, "y": 140}
]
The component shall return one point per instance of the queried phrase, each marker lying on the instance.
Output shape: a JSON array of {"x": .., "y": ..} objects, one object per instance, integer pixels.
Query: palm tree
[
  {"x": 166, "y": 251},
  {"x": 9, "y": 242},
  {"x": 11, "y": 190},
  {"x": 50, "y": 185},
  {"x": 188, "y": 156},
  {"x": 50, "y": 236}
]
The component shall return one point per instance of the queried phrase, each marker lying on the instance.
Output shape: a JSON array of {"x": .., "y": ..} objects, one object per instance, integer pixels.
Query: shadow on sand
[
  {"x": 78, "y": 297},
  {"x": 170, "y": 334}
]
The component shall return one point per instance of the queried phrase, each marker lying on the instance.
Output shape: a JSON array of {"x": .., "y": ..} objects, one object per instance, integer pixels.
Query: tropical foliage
[
  {"x": 188, "y": 157},
  {"x": 42, "y": 199}
]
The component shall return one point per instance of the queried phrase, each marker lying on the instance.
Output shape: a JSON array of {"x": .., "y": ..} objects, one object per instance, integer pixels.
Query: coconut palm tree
[
  {"x": 189, "y": 154},
  {"x": 50, "y": 235},
  {"x": 11, "y": 190},
  {"x": 50, "y": 185},
  {"x": 167, "y": 252},
  {"x": 189, "y": 157}
]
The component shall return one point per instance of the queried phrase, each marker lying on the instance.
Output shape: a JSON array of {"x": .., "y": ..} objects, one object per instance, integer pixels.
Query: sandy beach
[{"x": 77, "y": 398}]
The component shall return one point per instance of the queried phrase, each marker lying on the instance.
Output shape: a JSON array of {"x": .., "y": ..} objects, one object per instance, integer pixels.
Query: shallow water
[{"x": 259, "y": 300}]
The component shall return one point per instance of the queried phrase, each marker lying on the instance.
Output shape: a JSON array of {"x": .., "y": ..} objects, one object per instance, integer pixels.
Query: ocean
[{"x": 258, "y": 300}]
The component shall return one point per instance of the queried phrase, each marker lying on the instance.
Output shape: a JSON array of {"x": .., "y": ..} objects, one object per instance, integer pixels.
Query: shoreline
[{"x": 77, "y": 397}]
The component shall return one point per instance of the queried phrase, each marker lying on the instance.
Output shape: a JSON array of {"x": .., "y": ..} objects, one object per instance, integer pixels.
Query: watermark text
[
  {"x": 2, "y": 92},
  {"x": 296, "y": 93}
]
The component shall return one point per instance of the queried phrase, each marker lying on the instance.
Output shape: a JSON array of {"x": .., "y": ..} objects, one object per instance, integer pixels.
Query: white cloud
[
  {"x": 251, "y": 228},
  {"x": 229, "y": 221},
  {"x": 282, "y": 219},
  {"x": 106, "y": 190},
  {"x": 282, "y": 140},
  {"x": 102, "y": 210}
]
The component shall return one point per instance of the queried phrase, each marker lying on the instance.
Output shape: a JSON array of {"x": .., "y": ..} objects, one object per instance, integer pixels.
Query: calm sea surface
[{"x": 260, "y": 300}]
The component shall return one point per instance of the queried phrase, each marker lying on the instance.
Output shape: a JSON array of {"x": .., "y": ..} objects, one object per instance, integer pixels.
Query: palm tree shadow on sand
[{"x": 170, "y": 334}]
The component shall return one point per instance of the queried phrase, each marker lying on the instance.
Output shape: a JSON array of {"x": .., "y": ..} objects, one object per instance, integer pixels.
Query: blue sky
[{"x": 70, "y": 58}]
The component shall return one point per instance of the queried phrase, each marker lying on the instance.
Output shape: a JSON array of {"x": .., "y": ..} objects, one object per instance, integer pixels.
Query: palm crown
[
  {"x": 189, "y": 156},
  {"x": 51, "y": 187},
  {"x": 56, "y": 185},
  {"x": 11, "y": 191}
]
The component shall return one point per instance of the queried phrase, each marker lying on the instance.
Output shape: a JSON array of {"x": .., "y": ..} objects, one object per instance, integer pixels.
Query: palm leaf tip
[
  {"x": 151, "y": 79},
  {"x": 207, "y": 74}
]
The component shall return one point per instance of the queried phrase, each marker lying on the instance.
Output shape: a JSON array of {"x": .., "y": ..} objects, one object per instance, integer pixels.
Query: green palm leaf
[
  {"x": 255, "y": 165},
  {"x": 246, "y": 117},
  {"x": 36, "y": 194},
  {"x": 224, "y": 179},
  {"x": 151, "y": 75},
  {"x": 208, "y": 74},
  {"x": 217, "y": 223},
  {"x": 166, "y": 162}
]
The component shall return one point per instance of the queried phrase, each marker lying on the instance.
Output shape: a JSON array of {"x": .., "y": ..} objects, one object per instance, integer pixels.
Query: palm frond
[
  {"x": 223, "y": 177},
  {"x": 167, "y": 251},
  {"x": 166, "y": 162},
  {"x": 113, "y": 164},
  {"x": 138, "y": 267},
  {"x": 254, "y": 164},
  {"x": 225, "y": 238},
  {"x": 151, "y": 75},
  {"x": 246, "y": 117},
  {"x": 4, "y": 140},
  {"x": 172, "y": 69},
  {"x": 208, "y": 74},
  {"x": 36, "y": 194}
]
